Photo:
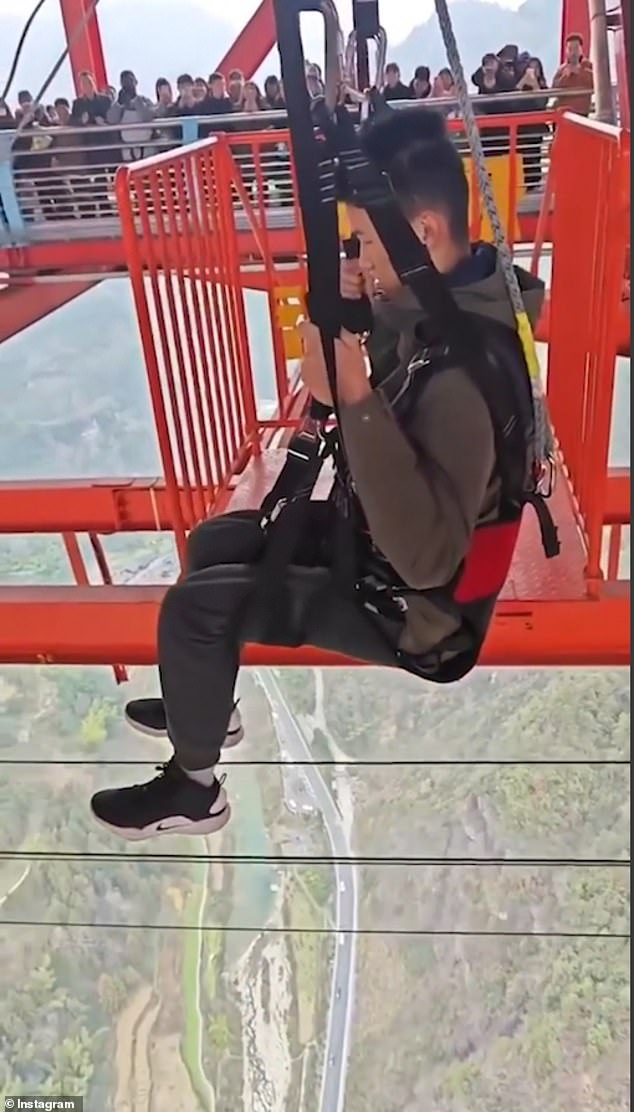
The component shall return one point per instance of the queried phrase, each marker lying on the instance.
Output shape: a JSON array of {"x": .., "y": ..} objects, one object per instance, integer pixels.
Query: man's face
[
  {"x": 573, "y": 53},
  {"x": 63, "y": 113},
  {"x": 393, "y": 77},
  {"x": 374, "y": 261},
  {"x": 217, "y": 88},
  {"x": 165, "y": 94},
  {"x": 186, "y": 92},
  {"x": 128, "y": 83},
  {"x": 86, "y": 85},
  {"x": 236, "y": 84}
]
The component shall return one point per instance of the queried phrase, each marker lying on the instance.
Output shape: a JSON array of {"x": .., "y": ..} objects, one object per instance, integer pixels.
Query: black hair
[
  {"x": 213, "y": 77},
  {"x": 392, "y": 67},
  {"x": 575, "y": 37},
  {"x": 416, "y": 153},
  {"x": 161, "y": 83},
  {"x": 184, "y": 79},
  {"x": 61, "y": 102},
  {"x": 422, "y": 73}
]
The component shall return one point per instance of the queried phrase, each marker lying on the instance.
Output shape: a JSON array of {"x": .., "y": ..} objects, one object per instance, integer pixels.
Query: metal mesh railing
[{"x": 63, "y": 178}]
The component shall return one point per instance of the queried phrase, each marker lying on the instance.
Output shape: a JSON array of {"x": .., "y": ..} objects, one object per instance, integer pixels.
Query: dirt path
[
  {"x": 125, "y": 1054},
  {"x": 171, "y": 1087},
  {"x": 142, "y": 1080}
]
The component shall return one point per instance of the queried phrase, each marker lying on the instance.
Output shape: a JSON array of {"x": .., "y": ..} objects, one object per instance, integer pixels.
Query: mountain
[{"x": 481, "y": 27}]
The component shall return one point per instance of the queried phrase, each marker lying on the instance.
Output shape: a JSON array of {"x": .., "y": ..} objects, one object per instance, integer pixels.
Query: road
[{"x": 346, "y": 906}]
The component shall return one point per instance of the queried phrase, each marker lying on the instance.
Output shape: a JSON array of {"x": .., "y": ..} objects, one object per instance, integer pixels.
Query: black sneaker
[
  {"x": 171, "y": 803},
  {"x": 147, "y": 716}
]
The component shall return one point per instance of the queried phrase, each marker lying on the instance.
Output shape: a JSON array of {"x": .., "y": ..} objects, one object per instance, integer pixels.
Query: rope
[
  {"x": 544, "y": 444},
  {"x": 18, "y": 49}
]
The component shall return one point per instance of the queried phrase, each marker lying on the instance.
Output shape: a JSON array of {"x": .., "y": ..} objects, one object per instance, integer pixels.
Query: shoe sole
[
  {"x": 232, "y": 739},
  {"x": 210, "y": 825}
]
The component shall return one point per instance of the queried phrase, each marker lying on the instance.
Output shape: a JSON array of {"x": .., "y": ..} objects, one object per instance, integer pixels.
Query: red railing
[
  {"x": 517, "y": 148},
  {"x": 181, "y": 246},
  {"x": 589, "y": 235}
]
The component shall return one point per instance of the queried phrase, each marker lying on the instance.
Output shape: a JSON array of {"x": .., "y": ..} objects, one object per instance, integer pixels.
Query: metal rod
[{"x": 600, "y": 55}]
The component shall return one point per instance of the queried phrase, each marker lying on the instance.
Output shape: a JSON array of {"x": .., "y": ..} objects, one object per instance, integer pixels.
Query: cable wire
[
  {"x": 488, "y": 762},
  {"x": 320, "y": 859},
  {"x": 18, "y": 49},
  {"x": 407, "y": 932}
]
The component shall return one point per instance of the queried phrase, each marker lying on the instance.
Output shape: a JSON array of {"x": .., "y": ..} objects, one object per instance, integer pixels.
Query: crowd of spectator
[
  {"x": 509, "y": 71},
  {"x": 41, "y": 146}
]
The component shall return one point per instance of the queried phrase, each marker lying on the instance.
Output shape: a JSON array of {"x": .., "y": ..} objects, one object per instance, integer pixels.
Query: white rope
[{"x": 544, "y": 444}]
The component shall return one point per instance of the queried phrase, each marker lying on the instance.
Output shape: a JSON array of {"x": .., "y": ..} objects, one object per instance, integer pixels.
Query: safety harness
[{"x": 490, "y": 354}]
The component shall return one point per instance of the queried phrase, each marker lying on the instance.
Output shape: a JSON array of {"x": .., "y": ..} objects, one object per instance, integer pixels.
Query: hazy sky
[{"x": 399, "y": 16}]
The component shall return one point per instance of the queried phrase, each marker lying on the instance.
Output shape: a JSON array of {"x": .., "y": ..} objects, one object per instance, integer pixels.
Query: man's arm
[
  {"x": 422, "y": 495},
  {"x": 558, "y": 76}
]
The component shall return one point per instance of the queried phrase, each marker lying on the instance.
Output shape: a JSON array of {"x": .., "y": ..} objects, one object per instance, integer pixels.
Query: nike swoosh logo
[{"x": 163, "y": 827}]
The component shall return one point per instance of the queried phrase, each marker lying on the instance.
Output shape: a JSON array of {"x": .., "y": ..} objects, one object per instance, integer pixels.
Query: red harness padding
[{"x": 488, "y": 561}]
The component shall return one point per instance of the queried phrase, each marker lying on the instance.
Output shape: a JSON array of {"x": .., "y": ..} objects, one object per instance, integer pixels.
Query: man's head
[
  {"x": 62, "y": 107},
  {"x": 25, "y": 100},
  {"x": 272, "y": 88},
  {"x": 87, "y": 85},
  {"x": 421, "y": 81},
  {"x": 217, "y": 87},
  {"x": 235, "y": 85},
  {"x": 428, "y": 179},
  {"x": 392, "y": 75},
  {"x": 185, "y": 86},
  {"x": 574, "y": 49}
]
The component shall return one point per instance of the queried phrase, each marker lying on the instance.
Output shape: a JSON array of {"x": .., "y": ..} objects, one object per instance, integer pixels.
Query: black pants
[{"x": 208, "y": 616}]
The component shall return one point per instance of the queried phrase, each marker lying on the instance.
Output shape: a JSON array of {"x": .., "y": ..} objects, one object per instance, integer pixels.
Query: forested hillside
[{"x": 453, "y": 1023}]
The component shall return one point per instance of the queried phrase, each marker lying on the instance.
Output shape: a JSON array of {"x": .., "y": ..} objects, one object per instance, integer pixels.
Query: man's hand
[
  {"x": 351, "y": 362},
  {"x": 313, "y": 369},
  {"x": 353, "y": 281}
]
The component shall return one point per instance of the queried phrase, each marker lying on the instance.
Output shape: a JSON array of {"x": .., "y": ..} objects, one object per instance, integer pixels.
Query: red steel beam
[
  {"x": 85, "y": 49},
  {"x": 103, "y": 625},
  {"x": 86, "y": 506},
  {"x": 141, "y": 505},
  {"x": 254, "y": 43},
  {"x": 21, "y": 306},
  {"x": 96, "y": 254},
  {"x": 575, "y": 19}
]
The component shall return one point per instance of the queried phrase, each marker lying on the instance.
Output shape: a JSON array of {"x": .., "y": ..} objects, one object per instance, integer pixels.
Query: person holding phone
[{"x": 575, "y": 73}]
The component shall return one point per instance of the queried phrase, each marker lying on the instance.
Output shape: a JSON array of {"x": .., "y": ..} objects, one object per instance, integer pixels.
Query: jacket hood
[{"x": 478, "y": 286}]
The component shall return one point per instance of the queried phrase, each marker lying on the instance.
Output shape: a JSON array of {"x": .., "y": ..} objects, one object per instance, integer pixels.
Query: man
[
  {"x": 235, "y": 87},
  {"x": 422, "y": 475},
  {"x": 185, "y": 104},
  {"x": 130, "y": 108},
  {"x": 394, "y": 89},
  {"x": 575, "y": 73},
  {"x": 218, "y": 103},
  {"x": 62, "y": 107}
]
